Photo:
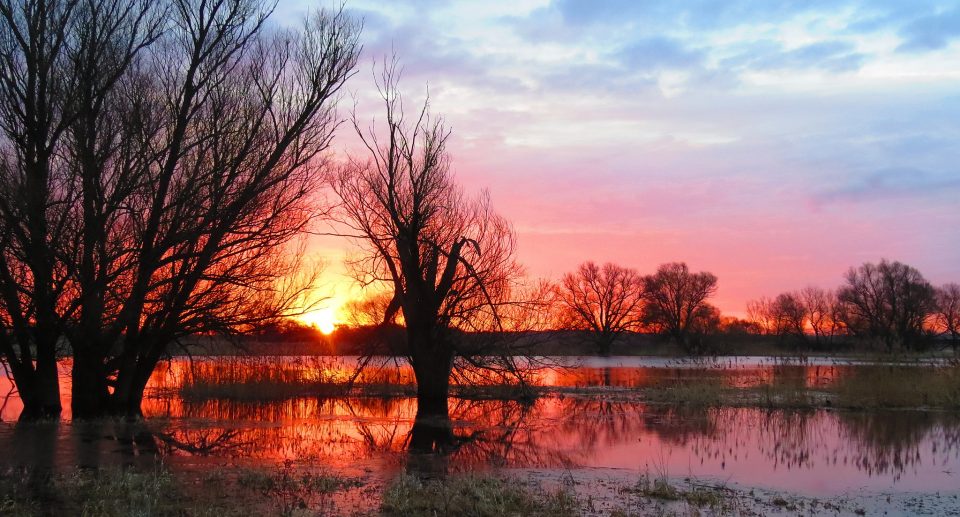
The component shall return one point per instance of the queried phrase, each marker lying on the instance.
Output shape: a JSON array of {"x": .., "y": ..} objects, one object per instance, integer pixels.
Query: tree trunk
[
  {"x": 432, "y": 432},
  {"x": 432, "y": 363},
  {"x": 132, "y": 381},
  {"x": 605, "y": 345},
  {"x": 432, "y": 372},
  {"x": 40, "y": 392},
  {"x": 90, "y": 396}
]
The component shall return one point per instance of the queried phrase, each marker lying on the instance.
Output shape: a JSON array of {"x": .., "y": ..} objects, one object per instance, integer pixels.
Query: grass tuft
[{"x": 474, "y": 495}]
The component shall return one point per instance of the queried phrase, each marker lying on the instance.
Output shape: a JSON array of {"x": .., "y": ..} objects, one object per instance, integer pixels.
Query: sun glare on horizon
[{"x": 323, "y": 319}]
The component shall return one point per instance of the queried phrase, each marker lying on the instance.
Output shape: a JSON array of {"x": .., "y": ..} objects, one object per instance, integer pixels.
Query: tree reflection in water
[
  {"x": 571, "y": 431},
  {"x": 551, "y": 432}
]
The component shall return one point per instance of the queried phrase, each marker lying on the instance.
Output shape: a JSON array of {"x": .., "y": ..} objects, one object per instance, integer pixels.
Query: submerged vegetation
[
  {"x": 878, "y": 387},
  {"x": 786, "y": 385},
  {"x": 863, "y": 387}
]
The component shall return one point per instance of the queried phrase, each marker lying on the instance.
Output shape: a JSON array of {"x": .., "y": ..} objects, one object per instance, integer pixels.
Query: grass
[
  {"x": 260, "y": 379},
  {"x": 863, "y": 387},
  {"x": 116, "y": 492},
  {"x": 891, "y": 385},
  {"x": 660, "y": 488},
  {"x": 289, "y": 491},
  {"x": 107, "y": 493},
  {"x": 293, "y": 491},
  {"x": 474, "y": 495},
  {"x": 894, "y": 386},
  {"x": 254, "y": 379}
]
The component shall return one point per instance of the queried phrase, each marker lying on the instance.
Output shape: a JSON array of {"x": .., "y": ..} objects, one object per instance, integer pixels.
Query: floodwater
[{"x": 812, "y": 452}]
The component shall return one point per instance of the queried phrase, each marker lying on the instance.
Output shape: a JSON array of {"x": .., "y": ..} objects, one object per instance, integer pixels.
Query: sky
[{"x": 774, "y": 143}]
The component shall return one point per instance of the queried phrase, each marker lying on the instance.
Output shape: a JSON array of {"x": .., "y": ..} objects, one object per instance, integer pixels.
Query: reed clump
[
  {"x": 252, "y": 379},
  {"x": 900, "y": 386}
]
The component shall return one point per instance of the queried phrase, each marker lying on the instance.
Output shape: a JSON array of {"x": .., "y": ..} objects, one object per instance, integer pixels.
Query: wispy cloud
[{"x": 728, "y": 133}]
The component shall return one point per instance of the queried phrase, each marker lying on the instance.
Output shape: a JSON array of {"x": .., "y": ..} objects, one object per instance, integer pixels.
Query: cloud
[
  {"x": 658, "y": 53},
  {"x": 931, "y": 32},
  {"x": 892, "y": 182},
  {"x": 697, "y": 14},
  {"x": 835, "y": 56},
  {"x": 839, "y": 144}
]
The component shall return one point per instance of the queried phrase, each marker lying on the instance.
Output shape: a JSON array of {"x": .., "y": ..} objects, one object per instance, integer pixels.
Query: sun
[{"x": 324, "y": 319}]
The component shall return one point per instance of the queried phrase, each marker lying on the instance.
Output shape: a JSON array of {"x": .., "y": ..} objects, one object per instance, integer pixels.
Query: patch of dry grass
[{"x": 474, "y": 495}]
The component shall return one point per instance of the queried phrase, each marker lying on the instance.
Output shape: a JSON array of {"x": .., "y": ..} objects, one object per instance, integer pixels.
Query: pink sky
[{"x": 774, "y": 144}]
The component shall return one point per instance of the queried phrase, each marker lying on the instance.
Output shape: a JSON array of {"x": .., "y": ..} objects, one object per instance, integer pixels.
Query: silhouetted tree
[
  {"x": 792, "y": 316},
  {"x": 763, "y": 313},
  {"x": 734, "y": 326},
  {"x": 604, "y": 300},
  {"x": 62, "y": 62},
  {"x": 889, "y": 301},
  {"x": 234, "y": 119},
  {"x": 947, "y": 315},
  {"x": 808, "y": 315},
  {"x": 447, "y": 257},
  {"x": 189, "y": 143},
  {"x": 675, "y": 299},
  {"x": 369, "y": 310},
  {"x": 820, "y": 307}
]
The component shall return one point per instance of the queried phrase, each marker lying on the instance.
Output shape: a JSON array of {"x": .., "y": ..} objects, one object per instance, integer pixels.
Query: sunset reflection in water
[{"x": 813, "y": 451}]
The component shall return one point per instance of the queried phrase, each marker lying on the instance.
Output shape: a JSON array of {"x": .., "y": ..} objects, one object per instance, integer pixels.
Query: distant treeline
[{"x": 887, "y": 306}]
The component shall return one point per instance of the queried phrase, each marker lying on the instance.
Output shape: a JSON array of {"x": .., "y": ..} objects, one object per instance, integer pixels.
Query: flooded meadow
[{"x": 597, "y": 426}]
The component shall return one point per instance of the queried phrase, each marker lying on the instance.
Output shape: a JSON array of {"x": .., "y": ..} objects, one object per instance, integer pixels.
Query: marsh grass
[
  {"x": 900, "y": 386},
  {"x": 116, "y": 492},
  {"x": 885, "y": 386},
  {"x": 517, "y": 392},
  {"x": 252, "y": 379},
  {"x": 107, "y": 493},
  {"x": 891, "y": 385},
  {"x": 474, "y": 495},
  {"x": 659, "y": 491},
  {"x": 264, "y": 379},
  {"x": 294, "y": 491}
]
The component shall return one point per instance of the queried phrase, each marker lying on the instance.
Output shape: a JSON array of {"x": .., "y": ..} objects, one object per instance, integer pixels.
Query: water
[{"x": 813, "y": 452}]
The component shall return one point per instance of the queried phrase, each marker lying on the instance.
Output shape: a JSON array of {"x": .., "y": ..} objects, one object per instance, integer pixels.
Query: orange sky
[{"x": 774, "y": 147}]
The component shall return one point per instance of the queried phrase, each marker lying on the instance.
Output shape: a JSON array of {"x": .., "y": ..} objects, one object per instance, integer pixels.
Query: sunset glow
[
  {"x": 773, "y": 144},
  {"x": 502, "y": 257},
  {"x": 323, "y": 319}
]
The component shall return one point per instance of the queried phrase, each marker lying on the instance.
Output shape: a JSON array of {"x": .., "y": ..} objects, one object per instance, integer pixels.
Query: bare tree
[
  {"x": 675, "y": 299},
  {"x": 189, "y": 144},
  {"x": 604, "y": 300},
  {"x": 889, "y": 301},
  {"x": 447, "y": 257},
  {"x": 762, "y": 312},
  {"x": 370, "y": 310},
  {"x": 61, "y": 63},
  {"x": 819, "y": 308},
  {"x": 810, "y": 315},
  {"x": 947, "y": 316},
  {"x": 237, "y": 119},
  {"x": 792, "y": 315}
]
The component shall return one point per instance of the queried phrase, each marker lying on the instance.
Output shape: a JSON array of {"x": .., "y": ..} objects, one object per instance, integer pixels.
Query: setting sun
[{"x": 323, "y": 319}]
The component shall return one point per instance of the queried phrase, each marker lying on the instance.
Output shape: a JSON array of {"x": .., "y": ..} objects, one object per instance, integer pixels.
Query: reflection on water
[{"x": 814, "y": 451}]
